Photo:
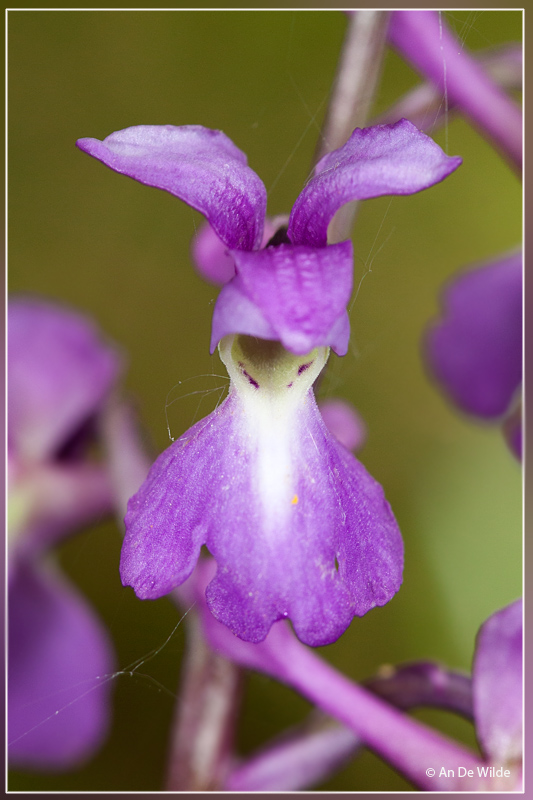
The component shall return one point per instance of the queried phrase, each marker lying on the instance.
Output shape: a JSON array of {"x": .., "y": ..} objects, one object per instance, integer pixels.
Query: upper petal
[
  {"x": 476, "y": 350},
  {"x": 296, "y": 295},
  {"x": 200, "y": 166},
  {"x": 384, "y": 159},
  {"x": 59, "y": 373},
  {"x": 60, "y": 661},
  {"x": 497, "y": 685}
]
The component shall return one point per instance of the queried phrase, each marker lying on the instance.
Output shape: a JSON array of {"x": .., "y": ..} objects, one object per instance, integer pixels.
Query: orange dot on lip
[{"x": 294, "y": 500}]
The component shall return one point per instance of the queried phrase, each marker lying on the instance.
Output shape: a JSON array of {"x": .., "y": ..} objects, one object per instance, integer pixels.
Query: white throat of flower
[{"x": 273, "y": 387}]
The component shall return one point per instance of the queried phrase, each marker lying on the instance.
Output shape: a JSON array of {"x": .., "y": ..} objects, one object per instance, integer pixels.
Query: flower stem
[
  {"x": 203, "y": 728},
  {"x": 423, "y": 39},
  {"x": 423, "y": 105},
  {"x": 405, "y": 743},
  {"x": 351, "y": 98},
  {"x": 313, "y": 750}
]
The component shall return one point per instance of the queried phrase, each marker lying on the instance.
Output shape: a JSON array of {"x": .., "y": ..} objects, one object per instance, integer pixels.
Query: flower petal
[
  {"x": 59, "y": 658},
  {"x": 344, "y": 422},
  {"x": 211, "y": 256},
  {"x": 297, "y": 526},
  {"x": 296, "y": 295},
  {"x": 376, "y": 161},
  {"x": 200, "y": 166},
  {"x": 59, "y": 373},
  {"x": 497, "y": 685},
  {"x": 476, "y": 351}
]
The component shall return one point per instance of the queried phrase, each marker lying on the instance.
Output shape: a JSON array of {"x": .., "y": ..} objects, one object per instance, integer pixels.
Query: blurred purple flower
[
  {"x": 497, "y": 686},
  {"x": 59, "y": 375},
  {"x": 297, "y": 526},
  {"x": 475, "y": 352},
  {"x": 344, "y": 422}
]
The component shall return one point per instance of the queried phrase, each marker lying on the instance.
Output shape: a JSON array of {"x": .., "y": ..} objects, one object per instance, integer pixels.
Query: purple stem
[
  {"x": 205, "y": 717},
  {"x": 423, "y": 105},
  {"x": 312, "y": 751},
  {"x": 301, "y": 758},
  {"x": 408, "y": 745},
  {"x": 356, "y": 79},
  {"x": 423, "y": 39},
  {"x": 424, "y": 683},
  {"x": 405, "y": 743}
]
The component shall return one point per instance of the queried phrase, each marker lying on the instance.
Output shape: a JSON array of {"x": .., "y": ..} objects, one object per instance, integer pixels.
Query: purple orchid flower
[
  {"x": 475, "y": 352},
  {"x": 59, "y": 375},
  {"x": 297, "y": 526}
]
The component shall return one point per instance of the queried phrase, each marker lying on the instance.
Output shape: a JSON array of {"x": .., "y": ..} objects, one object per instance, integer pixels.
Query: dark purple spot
[
  {"x": 303, "y": 367},
  {"x": 289, "y": 385},
  {"x": 248, "y": 376},
  {"x": 280, "y": 237}
]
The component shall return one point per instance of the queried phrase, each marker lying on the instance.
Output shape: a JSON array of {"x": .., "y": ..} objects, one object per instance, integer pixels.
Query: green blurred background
[{"x": 120, "y": 252}]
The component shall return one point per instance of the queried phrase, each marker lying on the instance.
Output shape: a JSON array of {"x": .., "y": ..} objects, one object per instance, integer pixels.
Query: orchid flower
[
  {"x": 475, "y": 351},
  {"x": 297, "y": 526},
  {"x": 59, "y": 376}
]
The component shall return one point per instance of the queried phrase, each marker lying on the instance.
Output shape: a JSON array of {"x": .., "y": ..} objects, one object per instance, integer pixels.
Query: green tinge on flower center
[
  {"x": 265, "y": 368},
  {"x": 20, "y": 508}
]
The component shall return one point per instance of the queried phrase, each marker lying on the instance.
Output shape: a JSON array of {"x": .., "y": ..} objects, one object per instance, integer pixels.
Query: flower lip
[
  {"x": 296, "y": 525},
  {"x": 59, "y": 657}
]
